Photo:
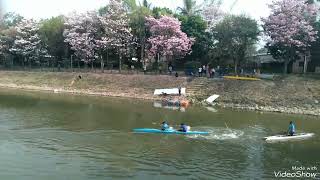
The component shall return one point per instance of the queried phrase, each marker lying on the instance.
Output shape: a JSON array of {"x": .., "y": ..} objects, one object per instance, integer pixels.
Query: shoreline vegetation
[{"x": 288, "y": 94}]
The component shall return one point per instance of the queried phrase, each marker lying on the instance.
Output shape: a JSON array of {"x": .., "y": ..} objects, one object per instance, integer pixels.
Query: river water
[{"x": 59, "y": 136}]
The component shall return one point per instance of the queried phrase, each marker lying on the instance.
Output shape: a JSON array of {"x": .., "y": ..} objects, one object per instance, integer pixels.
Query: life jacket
[
  {"x": 184, "y": 128},
  {"x": 164, "y": 126},
  {"x": 292, "y": 128}
]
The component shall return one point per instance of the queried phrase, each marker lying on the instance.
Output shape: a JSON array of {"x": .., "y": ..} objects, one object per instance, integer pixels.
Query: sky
[{"x": 38, "y": 9}]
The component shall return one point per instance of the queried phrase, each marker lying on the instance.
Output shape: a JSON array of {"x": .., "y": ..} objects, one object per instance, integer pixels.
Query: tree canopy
[
  {"x": 234, "y": 35},
  {"x": 290, "y": 28},
  {"x": 51, "y": 33},
  {"x": 136, "y": 32},
  {"x": 167, "y": 39}
]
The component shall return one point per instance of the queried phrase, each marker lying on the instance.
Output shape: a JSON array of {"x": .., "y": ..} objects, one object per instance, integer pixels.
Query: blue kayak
[{"x": 169, "y": 131}]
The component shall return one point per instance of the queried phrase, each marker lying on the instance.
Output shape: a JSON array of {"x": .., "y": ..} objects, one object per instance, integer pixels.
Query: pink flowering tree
[
  {"x": 167, "y": 39},
  {"x": 289, "y": 28},
  {"x": 212, "y": 13},
  {"x": 27, "y": 43},
  {"x": 117, "y": 32},
  {"x": 81, "y": 34}
]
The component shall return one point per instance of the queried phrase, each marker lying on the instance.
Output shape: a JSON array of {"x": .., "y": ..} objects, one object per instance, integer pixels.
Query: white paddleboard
[
  {"x": 212, "y": 98},
  {"x": 173, "y": 91},
  {"x": 297, "y": 136}
]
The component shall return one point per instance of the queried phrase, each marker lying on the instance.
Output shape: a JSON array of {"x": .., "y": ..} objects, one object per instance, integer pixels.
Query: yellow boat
[{"x": 241, "y": 78}]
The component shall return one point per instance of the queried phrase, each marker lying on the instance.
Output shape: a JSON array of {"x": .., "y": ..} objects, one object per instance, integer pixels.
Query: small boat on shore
[
  {"x": 241, "y": 78},
  {"x": 298, "y": 136},
  {"x": 212, "y": 98},
  {"x": 173, "y": 91}
]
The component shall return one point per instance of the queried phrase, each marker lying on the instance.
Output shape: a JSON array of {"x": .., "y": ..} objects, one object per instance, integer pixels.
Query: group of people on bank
[{"x": 206, "y": 70}]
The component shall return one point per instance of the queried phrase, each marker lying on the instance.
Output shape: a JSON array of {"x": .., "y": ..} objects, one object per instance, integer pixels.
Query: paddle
[{"x": 228, "y": 127}]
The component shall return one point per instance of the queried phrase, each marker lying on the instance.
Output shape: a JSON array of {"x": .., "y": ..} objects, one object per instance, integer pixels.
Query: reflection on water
[
  {"x": 56, "y": 136},
  {"x": 159, "y": 104}
]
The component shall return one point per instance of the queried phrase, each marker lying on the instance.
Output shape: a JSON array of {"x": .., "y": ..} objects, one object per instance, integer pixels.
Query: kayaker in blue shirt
[
  {"x": 183, "y": 128},
  {"x": 164, "y": 126},
  {"x": 292, "y": 129}
]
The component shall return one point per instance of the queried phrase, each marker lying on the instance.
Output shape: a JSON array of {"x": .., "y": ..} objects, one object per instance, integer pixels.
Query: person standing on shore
[
  {"x": 204, "y": 70},
  {"x": 213, "y": 71},
  {"x": 170, "y": 69},
  {"x": 144, "y": 69},
  {"x": 200, "y": 71}
]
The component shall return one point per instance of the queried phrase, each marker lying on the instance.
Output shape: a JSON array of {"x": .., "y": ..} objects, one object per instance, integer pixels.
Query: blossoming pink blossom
[
  {"x": 80, "y": 33},
  {"x": 167, "y": 39},
  {"x": 290, "y": 23}
]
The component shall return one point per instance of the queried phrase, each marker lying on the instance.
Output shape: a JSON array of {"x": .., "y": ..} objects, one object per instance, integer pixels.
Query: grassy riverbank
[
  {"x": 290, "y": 94},
  {"x": 117, "y": 85}
]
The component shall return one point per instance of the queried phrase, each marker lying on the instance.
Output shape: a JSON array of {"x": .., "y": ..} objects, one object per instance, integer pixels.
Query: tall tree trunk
[
  {"x": 159, "y": 69},
  {"x": 53, "y": 64},
  {"x": 92, "y": 66},
  {"x": 102, "y": 64},
  {"x": 107, "y": 59},
  {"x": 120, "y": 62},
  {"x": 285, "y": 68},
  {"x": 71, "y": 63},
  {"x": 235, "y": 66},
  {"x": 40, "y": 64},
  {"x": 29, "y": 63},
  {"x": 12, "y": 62},
  {"x": 305, "y": 65},
  {"x": 87, "y": 66},
  {"x": 142, "y": 52},
  {"x": 79, "y": 65},
  {"x": 23, "y": 64}
]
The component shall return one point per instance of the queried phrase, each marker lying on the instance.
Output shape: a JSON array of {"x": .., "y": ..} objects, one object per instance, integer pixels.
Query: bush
[
  {"x": 125, "y": 67},
  {"x": 192, "y": 64},
  {"x": 191, "y": 67}
]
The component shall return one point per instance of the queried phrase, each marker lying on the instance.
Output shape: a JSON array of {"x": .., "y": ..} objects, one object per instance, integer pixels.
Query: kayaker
[
  {"x": 292, "y": 129},
  {"x": 183, "y": 127},
  {"x": 164, "y": 126}
]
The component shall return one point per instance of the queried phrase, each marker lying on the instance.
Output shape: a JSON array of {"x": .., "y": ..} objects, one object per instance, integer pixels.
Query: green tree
[
  {"x": 314, "y": 50},
  {"x": 8, "y": 33},
  {"x": 137, "y": 15},
  {"x": 234, "y": 36},
  {"x": 146, "y": 4},
  {"x": 11, "y": 19},
  {"x": 189, "y": 8},
  {"x": 194, "y": 26},
  {"x": 51, "y": 33},
  {"x": 157, "y": 12},
  {"x": 315, "y": 46}
]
